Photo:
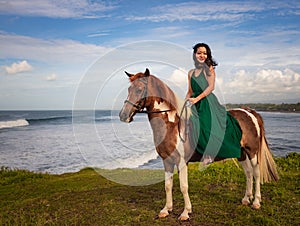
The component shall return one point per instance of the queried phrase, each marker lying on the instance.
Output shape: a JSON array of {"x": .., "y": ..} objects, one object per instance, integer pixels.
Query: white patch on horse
[
  {"x": 171, "y": 116},
  {"x": 254, "y": 161},
  {"x": 169, "y": 200},
  {"x": 162, "y": 106},
  {"x": 254, "y": 119},
  {"x": 183, "y": 178},
  {"x": 180, "y": 147}
]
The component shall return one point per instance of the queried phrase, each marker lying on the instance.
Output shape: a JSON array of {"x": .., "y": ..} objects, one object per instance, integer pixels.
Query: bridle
[{"x": 140, "y": 105}]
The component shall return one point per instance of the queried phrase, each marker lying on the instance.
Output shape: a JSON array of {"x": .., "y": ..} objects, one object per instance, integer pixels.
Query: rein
[
  {"x": 186, "y": 131},
  {"x": 139, "y": 108},
  {"x": 152, "y": 112}
]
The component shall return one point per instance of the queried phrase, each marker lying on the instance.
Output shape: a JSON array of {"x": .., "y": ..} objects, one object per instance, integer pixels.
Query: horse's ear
[
  {"x": 147, "y": 72},
  {"x": 128, "y": 74}
]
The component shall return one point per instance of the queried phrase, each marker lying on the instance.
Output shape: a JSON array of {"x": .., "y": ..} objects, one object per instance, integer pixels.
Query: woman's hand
[{"x": 193, "y": 100}]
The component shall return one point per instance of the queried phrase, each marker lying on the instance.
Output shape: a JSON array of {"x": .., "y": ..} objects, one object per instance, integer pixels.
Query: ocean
[{"x": 64, "y": 141}]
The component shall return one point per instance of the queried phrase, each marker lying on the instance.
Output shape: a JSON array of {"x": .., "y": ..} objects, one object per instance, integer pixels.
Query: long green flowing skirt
[{"x": 215, "y": 131}]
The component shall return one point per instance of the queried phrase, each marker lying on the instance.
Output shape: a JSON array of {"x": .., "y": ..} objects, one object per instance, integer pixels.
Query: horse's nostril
[{"x": 122, "y": 116}]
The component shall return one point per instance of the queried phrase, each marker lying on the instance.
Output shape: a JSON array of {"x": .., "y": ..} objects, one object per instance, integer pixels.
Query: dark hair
[{"x": 209, "y": 61}]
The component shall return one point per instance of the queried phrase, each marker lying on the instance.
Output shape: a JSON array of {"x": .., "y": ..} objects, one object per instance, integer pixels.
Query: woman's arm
[
  {"x": 190, "y": 91},
  {"x": 211, "y": 86}
]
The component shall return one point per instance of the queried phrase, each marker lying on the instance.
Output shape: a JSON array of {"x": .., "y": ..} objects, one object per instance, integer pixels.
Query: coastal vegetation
[
  {"x": 268, "y": 107},
  {"x": 88, "y": 198}
]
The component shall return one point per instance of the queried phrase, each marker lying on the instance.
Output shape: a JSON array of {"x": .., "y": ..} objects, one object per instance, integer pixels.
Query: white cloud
[
  {"x": 51, "y": 77},
  {"x": 212, "y": 10},
  {"x": 98, "y": 34},
  {"x": 196, "y": 11},
  {"x": 169, "y": 32},
  {"x": 48, "y": 51},
  {"x": 179, "y": 77},
  {"x": 18, "y": 67},
  {"x": 265, "y": 81},
  {"x": 56, "y": 8}
]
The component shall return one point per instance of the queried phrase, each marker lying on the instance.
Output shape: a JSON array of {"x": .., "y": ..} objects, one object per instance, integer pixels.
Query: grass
[{"x": 87, "y": 198}]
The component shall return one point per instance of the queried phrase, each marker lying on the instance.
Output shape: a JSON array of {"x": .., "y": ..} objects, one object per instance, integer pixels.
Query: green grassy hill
[{"x": 87, "y": 198}]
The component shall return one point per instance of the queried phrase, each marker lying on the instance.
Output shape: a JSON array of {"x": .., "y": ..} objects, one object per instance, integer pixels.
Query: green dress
[{"x": 215, "y": 131}]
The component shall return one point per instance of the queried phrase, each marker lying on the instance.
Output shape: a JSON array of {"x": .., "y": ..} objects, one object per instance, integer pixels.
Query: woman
[{"x": 215, "y": 132}]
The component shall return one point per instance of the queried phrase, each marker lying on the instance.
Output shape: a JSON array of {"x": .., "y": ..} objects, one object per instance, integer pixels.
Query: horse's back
[{"x": 252, "y": 129}]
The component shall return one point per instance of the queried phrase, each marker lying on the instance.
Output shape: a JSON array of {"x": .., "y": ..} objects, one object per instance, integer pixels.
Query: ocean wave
[
  {"x": 13, "y": 123},
  {"x": 107, "y": 118},
  {"x": 50, "y": 119}
]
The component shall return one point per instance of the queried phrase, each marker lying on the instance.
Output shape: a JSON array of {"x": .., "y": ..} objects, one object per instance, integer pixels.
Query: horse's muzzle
[{"x": 125, "y": 117}]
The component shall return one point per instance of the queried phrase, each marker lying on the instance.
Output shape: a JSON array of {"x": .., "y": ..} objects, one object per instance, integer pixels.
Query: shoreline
[{"x": 141, "y": 168}]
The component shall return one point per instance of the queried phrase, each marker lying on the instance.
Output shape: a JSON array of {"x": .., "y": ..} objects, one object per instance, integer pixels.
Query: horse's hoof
[
  {"x": 245, "y": 203},
  {"x": 163, "y": 215},
  {"x": 184, "y": 218},
  {"x": 256, "y": 206}
]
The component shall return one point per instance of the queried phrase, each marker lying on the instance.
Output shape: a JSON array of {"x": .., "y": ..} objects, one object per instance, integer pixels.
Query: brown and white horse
[{"x": 148, "y": 92}]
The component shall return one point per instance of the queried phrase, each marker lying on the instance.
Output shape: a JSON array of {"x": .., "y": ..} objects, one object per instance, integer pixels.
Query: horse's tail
[{"x": 267, "y": 165}]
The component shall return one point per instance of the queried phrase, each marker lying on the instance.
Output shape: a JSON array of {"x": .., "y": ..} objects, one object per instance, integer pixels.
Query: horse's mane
[{"x": 166, "y": 93}]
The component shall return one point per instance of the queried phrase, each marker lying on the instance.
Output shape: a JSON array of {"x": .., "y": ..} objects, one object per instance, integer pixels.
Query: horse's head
[{"x": 137, "y": 94}]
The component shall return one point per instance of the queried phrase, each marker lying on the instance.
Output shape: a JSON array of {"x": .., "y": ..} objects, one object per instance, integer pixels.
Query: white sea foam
[
  {"x": 133, "y": 162},
  {"x": 15, "y": 123}
]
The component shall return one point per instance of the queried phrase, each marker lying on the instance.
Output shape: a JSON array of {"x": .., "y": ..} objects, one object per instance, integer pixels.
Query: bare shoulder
[
  {"x": 212, "y": 70},
  {"x": 191, "y": 72}
]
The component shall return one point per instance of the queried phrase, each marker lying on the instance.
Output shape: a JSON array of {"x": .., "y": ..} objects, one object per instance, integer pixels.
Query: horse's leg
[
  {"x": 248, "y": 169},
  {"x": 183, "y": 178},
  {"x": 256, "y": 172},
  {"x": 169, "y": 171}
]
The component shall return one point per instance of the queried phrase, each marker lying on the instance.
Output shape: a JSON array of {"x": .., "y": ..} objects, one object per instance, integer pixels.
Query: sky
[{"x": 50, "y": 49}]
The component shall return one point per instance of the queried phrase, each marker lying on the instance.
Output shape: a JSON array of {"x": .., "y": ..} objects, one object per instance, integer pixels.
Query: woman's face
[{"x": 201, "y": 54}]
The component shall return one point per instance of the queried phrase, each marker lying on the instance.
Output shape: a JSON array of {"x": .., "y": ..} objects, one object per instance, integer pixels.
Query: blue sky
[{"x": 48, "y": 48}]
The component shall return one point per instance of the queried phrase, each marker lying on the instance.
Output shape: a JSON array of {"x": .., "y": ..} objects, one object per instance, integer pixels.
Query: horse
[{"x": 164, "y": 109}]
